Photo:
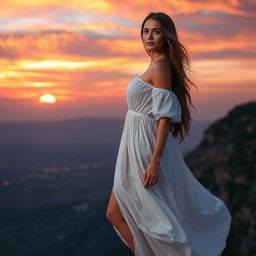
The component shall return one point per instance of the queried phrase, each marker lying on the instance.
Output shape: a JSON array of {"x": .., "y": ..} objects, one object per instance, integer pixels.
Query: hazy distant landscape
[
  {"x": 79, "y": 141},
  {"x": 55, "y": 182}
]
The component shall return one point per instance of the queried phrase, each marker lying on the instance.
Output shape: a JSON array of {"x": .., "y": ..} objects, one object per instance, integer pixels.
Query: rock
[{"x": 225, "y": 163}]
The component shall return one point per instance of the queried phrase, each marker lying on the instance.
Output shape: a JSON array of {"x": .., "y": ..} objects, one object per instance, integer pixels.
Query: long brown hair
[{"x": 179, "y": 61}]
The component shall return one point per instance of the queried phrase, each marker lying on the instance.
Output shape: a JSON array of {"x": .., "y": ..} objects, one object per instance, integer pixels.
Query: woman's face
[{"x": 152, "y": 35}]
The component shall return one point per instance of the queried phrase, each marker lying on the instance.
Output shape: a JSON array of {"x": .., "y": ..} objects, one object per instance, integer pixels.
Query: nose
[{"x": 150, "y": 35}]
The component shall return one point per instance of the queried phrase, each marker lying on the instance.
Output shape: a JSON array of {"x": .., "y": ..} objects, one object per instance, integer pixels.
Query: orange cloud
[
  {"x": 126, "y": 8},
  {"x": 82, "y": 51}
]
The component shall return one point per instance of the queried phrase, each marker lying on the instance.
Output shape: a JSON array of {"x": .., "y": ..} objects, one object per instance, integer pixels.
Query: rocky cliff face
[{"x": 225, "y": 163}]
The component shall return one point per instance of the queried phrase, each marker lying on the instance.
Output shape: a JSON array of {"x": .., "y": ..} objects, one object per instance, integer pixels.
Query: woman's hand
[{"x": 151, "y": 174}]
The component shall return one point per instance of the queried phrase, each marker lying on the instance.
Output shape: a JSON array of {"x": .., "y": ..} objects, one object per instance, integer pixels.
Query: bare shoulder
[{"x": 161, "y": 74}]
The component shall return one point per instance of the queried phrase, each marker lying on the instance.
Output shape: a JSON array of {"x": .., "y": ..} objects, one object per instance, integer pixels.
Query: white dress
[{"x": 177, "y": 216}]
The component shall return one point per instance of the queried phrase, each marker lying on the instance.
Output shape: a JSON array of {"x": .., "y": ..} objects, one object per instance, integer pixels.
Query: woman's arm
[
  {"x": 162, "y": 79},
  {"x": 162, "y": 134},
  {"x": 153, "y": 170}
]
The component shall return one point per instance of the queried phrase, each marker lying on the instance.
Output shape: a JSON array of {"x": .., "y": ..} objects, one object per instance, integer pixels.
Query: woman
[{"x": 157, "y": 207}]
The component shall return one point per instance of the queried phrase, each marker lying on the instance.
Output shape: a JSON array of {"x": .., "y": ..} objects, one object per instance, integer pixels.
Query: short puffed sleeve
[{"x": 165, "y": 103}]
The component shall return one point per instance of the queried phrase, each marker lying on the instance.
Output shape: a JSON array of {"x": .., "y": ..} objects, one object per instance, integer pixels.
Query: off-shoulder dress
[{"x": 177, "y": 216}]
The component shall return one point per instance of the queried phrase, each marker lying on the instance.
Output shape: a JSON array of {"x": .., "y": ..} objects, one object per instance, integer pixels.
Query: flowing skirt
[{"x": 177, "y": 216}]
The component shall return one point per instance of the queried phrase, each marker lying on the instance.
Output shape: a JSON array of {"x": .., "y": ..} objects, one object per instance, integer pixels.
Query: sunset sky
[{"x": 86, "y": 52}]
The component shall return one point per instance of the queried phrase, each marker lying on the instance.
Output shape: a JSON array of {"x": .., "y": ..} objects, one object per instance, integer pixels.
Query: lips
[{"x": 149, "y": 43}]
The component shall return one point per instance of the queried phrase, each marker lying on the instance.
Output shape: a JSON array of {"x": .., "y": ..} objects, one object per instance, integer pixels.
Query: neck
[{"x": 156, "y": 56}]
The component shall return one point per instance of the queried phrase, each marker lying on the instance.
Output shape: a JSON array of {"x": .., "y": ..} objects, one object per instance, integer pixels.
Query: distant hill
[
  {"x": 225, "y": 163},
  {"x": 53, "y": 143},
  {"x": 83, "y": 140}
]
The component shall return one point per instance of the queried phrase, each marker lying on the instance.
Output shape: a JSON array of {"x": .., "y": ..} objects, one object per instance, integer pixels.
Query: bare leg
[{"x": 115, "y": 216}]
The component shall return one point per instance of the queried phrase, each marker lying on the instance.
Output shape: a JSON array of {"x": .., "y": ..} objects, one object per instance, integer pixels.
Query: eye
[
  {"x": 145, "y": 31},
  {"x": 158, "y": 32}
]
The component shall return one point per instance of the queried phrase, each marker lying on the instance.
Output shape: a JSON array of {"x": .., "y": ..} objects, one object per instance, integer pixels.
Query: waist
[{"x": 140, "y": 114}]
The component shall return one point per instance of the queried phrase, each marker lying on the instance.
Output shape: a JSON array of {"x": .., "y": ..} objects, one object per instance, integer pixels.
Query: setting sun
[{"x": 47, "y": 98}]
